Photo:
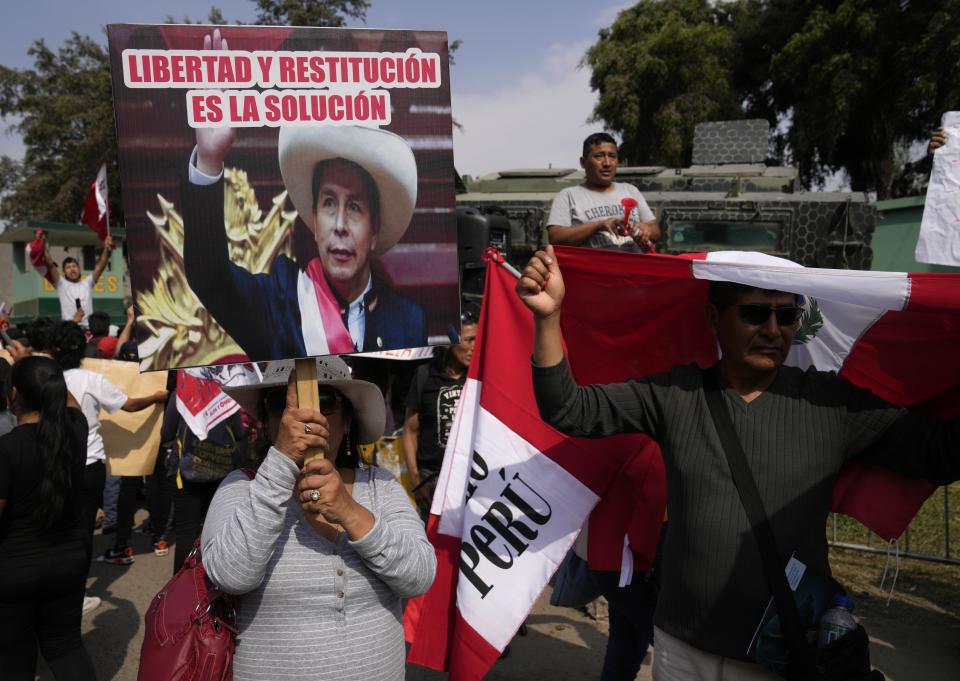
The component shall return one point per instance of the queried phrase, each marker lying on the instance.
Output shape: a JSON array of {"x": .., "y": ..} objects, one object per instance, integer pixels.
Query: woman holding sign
[{"x": 322, "y": 552}]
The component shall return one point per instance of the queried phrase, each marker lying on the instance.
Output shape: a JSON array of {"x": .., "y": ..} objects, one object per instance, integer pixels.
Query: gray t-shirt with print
[{"x": 577, "y": 205}]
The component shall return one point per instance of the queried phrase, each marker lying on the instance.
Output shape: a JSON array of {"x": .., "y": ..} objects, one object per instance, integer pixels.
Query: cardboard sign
[
  {"x": 130, "y": 439},
  {"x": 288, "y": 192}
]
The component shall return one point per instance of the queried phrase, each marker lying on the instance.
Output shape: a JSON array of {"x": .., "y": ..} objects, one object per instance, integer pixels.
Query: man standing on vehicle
[
  {"x": 797, "y": 429},
  {"x": 592, "y": 213}
]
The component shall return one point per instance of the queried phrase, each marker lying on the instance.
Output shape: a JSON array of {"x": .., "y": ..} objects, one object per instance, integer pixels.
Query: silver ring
[
  {"x": 306, "y": 427},
  {"x": 314, "y": 495}
]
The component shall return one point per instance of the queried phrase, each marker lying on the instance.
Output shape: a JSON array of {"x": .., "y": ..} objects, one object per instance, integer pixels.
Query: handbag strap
[{"x": 773, "y": 565}]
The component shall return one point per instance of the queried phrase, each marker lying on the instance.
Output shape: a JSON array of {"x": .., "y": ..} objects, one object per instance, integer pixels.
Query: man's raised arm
[
  {"x": 102, "y": 262},
  {"x": 582, "y": 411},
  {"x": 541, "y": 290},
  {"x": 53, "y": 273}
]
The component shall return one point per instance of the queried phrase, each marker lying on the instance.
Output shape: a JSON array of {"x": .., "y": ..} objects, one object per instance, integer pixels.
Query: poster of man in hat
[{"x": 288, "y": 192}]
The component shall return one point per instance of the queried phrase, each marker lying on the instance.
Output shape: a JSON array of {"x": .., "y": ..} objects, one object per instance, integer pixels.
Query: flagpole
[
  {"x": 491, "y": 254},
  {"x": 106, "y": 196}
]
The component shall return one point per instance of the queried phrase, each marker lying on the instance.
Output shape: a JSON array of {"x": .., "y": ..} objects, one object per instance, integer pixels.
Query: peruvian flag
[
  {"x": 201, "y": 400},
  {"x": 96, "y": 211},
  {"x": 513, "y": 492}
]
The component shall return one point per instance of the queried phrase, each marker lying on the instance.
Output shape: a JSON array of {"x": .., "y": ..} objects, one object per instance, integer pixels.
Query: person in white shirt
[
  {"x": 75, "y": 292},
  {"x": 94, "y": 392}
]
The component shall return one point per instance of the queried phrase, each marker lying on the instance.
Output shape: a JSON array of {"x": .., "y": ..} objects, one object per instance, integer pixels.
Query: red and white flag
[
  {"x": 200, "y": 398},
  {"x": 513, "y": 492},
  {"x": 34, "y": 252},
  {"x": 96, "y": 211}
]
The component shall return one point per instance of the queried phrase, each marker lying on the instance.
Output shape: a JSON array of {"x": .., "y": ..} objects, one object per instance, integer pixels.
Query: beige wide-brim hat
[
  {"x": 385, "y": 156},
  {"x": 369, "y": 410}
]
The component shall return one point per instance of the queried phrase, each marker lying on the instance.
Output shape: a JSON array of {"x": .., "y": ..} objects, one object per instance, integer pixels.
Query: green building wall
[{"x": 895, "y": 238}]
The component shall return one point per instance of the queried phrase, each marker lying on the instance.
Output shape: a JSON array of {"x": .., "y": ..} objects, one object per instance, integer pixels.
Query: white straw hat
[
  {"x": 384, "y": 155},
  {"x": 368, "y": 407}
]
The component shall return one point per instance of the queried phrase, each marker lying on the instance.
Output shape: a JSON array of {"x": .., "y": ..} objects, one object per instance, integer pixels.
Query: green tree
[
  {"x": 859, "y": 80},
  {"x": 215, "y": 18},
  {"x": 847, "y": 84},
  {"x": 64, "y": 114},
  {"x": 661, "y": 68},
  {"x": 310, "y": 12}
]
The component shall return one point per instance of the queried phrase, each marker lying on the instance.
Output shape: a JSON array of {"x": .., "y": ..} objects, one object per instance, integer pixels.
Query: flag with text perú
[{"x": 513, "y": 492}]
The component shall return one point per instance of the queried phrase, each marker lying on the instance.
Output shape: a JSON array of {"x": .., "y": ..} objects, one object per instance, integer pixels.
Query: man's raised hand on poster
[{"x": 213, "y": 144}]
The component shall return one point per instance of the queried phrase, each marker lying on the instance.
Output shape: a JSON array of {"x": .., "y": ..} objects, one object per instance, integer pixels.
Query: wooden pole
[{"x": 308, "y": 396}]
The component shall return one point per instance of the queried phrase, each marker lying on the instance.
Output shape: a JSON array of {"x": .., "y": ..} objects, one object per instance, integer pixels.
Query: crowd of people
[{"x": 324, "y": 552}]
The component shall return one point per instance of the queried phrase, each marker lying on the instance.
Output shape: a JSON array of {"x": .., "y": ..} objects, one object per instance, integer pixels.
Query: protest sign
[
  {"x": 288, "y": 192},
  {"x": 131, "y": 439}
]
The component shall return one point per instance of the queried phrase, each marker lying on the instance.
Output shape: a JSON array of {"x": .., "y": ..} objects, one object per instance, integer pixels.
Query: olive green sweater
[{"x": 796, "y": 436}]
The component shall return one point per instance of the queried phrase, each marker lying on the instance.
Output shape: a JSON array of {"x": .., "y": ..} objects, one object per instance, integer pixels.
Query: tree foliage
[
  {"x": 63, "y": 110},
  {"x": 661, "y": 68},
  {"x": 310, "y": 12},
  {"x": 64, "y": 114},
  {"x": 848, "y": 84},
  {"x": 861, "y": 78}
]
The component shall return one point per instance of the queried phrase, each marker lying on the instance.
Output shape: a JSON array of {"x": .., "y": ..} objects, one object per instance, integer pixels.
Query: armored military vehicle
[{"x": 728, "y": 199}]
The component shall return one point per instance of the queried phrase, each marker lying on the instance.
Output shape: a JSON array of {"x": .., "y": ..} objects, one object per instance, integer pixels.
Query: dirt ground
[{"x": 915, "y": 638}]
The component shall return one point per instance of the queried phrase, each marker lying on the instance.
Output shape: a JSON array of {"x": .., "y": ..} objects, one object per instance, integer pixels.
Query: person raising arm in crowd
[
  {"x": 76, "y": 293},
  {"x": 797, "y": 427}
]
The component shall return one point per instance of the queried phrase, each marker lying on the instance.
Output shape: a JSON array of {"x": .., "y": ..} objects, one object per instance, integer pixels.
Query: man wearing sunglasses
[{"x": 797, "y": 427}]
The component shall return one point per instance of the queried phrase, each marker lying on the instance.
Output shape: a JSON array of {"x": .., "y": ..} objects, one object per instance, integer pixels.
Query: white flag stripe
[
  {"x": 101, "y": 190},
  {"x": 843, "y": 325},
  {"x": 311, "y": 322},
  {"x": 749, "y": 258},
  {"x": 522, "y": 517},
  {"x": 881, "y": 290},
  {"x": 455, "y": 470}
]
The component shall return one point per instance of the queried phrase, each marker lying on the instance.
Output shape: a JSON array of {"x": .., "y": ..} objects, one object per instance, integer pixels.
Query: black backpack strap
[{"x": 801, "y": 656}]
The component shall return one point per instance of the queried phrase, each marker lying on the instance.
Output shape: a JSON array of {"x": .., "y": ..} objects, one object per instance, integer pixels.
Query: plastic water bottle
[{"x": 837, "y": 621}]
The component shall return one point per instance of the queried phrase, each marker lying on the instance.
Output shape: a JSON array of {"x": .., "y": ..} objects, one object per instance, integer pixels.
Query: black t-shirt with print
[{"x": 434, "y": 396}]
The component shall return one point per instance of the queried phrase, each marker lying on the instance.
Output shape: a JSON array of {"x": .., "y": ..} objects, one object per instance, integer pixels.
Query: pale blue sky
[{"x": 516, "y": 86}]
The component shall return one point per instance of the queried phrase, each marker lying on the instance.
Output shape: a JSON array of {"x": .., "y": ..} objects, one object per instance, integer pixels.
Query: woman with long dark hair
[{"x": 44, "y": 548}]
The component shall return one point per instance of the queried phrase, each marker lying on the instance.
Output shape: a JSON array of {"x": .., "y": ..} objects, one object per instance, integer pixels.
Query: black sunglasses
[
  {"x": 330, "y": 400},
  {"x": 757, "y": 315},
  {"x": 275, "y": 400}
]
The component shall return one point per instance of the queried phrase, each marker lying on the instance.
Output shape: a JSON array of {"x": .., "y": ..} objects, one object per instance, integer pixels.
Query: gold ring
[{"x": 314, "y": 495}]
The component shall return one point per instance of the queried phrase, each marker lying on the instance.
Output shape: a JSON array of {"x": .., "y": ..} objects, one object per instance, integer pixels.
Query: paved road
[{"x": 561, "y": 644}]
